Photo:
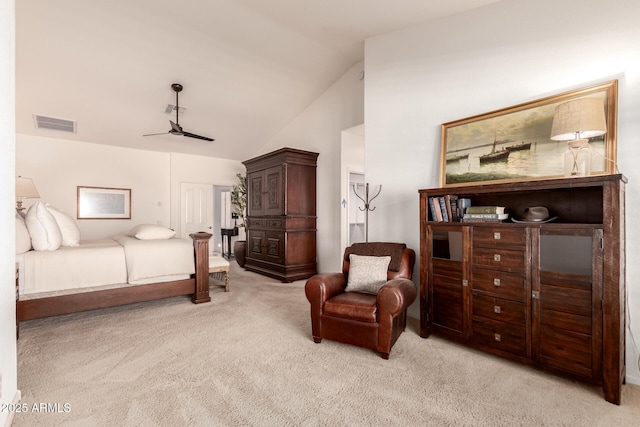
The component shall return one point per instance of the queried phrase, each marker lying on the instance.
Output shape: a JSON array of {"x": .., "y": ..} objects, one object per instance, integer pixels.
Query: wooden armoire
[{"x": 281, "y": 214}]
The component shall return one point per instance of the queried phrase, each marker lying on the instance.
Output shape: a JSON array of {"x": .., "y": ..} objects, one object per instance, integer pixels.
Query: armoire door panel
[
  {"x": 255, "y": 194},
  {"x": 274, "y": 191}
]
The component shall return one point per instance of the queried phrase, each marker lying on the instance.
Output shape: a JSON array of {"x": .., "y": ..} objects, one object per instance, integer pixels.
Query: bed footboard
[
  {"x": 197, "y": 287},
  {"x": 201, "y": 247}
]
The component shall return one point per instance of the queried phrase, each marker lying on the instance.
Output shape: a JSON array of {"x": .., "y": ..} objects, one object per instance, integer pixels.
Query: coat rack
[{"x": 367, "y": 201}]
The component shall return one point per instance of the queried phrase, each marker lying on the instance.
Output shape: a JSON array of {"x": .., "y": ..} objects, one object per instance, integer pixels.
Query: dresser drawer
[
  {"x": 498, "y": 236},
  {"x": 499, "y": 309},
  {"x": 511, "y": 260},
  {"x": 500, "y": 336},
  {"x": 499, "y": 283}
]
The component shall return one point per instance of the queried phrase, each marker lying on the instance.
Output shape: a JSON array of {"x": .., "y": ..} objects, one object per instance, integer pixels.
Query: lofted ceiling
[{"x": 248, "y": 67}]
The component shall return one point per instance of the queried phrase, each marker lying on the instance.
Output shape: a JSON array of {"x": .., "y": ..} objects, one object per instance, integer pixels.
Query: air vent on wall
[{"x": 64, "y": 125}]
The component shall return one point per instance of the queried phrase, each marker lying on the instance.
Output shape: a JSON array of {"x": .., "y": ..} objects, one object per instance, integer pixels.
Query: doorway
[
  {"x": 352, "y": 169},
  {"x": 355, "y": 214},
  {"x": 205, "y": 207},
  {"x": 222, "y": 215}
]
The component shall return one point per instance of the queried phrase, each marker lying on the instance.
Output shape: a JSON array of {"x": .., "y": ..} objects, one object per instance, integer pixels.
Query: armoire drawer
[
  {"x": 500, "y": 335},
  {"x": 511, "y": 260},
  {"x": 499, "y": 309},
  {"x": 499, "y": 236},
  {"x": 499, "y": 283}
]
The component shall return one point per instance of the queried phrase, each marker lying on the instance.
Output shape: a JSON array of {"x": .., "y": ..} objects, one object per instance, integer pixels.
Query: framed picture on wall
[
  {"x": 514, "y": 144},
  {"x": 104, "y": 203}
]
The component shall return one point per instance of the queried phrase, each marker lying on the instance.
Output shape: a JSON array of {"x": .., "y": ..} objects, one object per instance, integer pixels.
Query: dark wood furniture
[
  {"x": 281, "y": 214},
  {"x": 228, "y": 233},
  {"x": 359, "y": 318},
  {"x": 550, "y": 295},
  {"x": 197, "y": 287}
]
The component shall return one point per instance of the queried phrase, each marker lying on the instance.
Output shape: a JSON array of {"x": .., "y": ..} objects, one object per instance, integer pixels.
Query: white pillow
[
  {"x": 151, "y": 232},
  {"x": 68, "y": 227},
  {"x": 367, "y": 273},
  {"x": 23, "y": 240},
  {"x": 42, "y": 226}
]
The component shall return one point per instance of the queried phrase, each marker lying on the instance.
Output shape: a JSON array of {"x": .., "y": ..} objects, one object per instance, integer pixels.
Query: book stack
[
  {"x": 485, "y": 214},
  {"x": 444, "y": 208}
]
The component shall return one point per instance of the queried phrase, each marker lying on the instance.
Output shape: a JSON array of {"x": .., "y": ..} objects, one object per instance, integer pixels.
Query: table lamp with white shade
[
  {"x": 576, "y": 121},
  {"x": 25, "y": 189}
]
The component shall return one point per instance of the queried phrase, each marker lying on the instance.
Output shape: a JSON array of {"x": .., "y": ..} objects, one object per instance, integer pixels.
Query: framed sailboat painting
[{"x": 514, "y": 144}]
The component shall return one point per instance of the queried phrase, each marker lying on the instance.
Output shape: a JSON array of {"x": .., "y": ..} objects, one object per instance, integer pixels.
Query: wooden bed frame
[{"x": 197, "y": 287}]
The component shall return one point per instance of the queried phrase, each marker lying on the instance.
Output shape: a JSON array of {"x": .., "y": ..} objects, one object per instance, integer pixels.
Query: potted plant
[{"x": 239, "y": 209}]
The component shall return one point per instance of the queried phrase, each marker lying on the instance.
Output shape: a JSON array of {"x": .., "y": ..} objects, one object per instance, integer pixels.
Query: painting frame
[
  {"x": 469, "y": 135},
  {"x": 103, "y": 203}
]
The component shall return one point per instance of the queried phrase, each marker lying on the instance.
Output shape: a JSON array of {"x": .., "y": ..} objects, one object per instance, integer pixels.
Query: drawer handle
[
  {"x": 496, "y": 283},
  {"x": 465, "y": 283},
  {"x": 496, "y": 236},
  {"x": 496, "y": 257},
  {"x": 497, "y": 337},
  {"x": 496, "y": 309}
]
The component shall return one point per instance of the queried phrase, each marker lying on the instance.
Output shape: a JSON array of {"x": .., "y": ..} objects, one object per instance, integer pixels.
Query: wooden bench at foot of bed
[{"x": 197, "y": 287}]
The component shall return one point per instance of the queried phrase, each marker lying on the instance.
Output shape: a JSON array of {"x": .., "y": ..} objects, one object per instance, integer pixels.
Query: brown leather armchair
[{"x": 365, "y": 320}]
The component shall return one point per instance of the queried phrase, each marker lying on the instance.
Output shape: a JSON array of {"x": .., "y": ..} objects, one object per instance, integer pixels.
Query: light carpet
[{"x": 247, "y": 359}]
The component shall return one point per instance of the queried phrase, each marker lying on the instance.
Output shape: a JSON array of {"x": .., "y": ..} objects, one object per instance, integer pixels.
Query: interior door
[{"x": 196, "y": 209}]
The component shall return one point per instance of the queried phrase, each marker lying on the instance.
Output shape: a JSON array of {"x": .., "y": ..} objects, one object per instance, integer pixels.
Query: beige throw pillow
[{"x": 367, "y": 273}]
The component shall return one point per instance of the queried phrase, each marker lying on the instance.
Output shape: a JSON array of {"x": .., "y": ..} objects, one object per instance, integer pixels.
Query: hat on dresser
[{"x": 535, "y": 214}]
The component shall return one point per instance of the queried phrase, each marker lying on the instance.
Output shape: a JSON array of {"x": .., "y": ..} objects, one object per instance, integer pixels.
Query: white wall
[
  {"x": 8, "y": 363},
  {"x": 318, "y": 128},
  {"x": 58, "y": 166},
  {"x": 497, "y": 56}
]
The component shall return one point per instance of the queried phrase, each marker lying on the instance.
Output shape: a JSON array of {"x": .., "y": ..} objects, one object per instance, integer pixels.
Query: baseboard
[
  {"x": 16, "y": 400},
  {"x": 632, "y": 379}
]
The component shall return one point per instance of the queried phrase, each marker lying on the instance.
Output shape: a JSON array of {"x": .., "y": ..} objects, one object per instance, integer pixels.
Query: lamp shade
[
  {"x": 26, "y": 188},
  {"x": 577, "y": 119}
]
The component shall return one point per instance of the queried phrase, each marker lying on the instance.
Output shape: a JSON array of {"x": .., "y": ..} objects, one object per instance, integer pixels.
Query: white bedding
[
  {"x": 151, "y": 261},
  {"x": 92, "y": 263},
  {"x": 118, "y": 261}
]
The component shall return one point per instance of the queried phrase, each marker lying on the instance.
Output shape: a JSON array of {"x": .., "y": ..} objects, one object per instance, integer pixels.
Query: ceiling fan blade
[
  {"x": 154, "y": 134},
  {"x": 193, "y": 135}
]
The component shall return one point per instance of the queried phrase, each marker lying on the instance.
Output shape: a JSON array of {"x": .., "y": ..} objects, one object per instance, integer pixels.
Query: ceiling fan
[{"x": 176, "y": 129}]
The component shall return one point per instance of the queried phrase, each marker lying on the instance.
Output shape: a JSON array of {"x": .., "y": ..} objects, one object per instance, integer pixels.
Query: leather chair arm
[
  {"x": 321, "y": 287},
  {"x": 395, "y": 296}
]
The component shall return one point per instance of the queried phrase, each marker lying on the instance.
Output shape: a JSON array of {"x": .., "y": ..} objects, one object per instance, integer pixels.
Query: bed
[{"x": 87, "y": 275}]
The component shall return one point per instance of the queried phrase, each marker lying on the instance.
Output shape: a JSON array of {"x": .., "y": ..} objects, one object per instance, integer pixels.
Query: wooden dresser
[
  {"x": 281, "y": 214},
  {"x": 551, "y": 295}
]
